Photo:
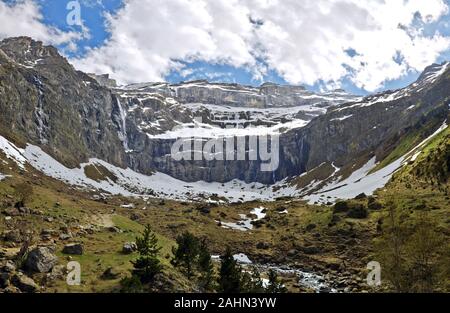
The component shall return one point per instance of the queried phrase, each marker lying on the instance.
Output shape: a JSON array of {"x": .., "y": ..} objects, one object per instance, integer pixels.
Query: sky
[{"x": 362, "y": 46}]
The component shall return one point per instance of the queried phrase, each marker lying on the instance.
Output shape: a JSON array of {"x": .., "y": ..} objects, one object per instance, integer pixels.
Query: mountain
[
  {"x": 325, "y": 140},
  {"x": 85, "y": 164}
]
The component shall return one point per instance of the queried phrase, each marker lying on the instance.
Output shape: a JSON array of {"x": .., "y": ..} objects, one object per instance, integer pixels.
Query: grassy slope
[
  {"x": 414, "y": 192},
  {"x": 68, "y": 207}
]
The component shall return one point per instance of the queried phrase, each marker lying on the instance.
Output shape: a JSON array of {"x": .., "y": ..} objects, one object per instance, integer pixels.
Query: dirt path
[{"x": 103, "y": 220}]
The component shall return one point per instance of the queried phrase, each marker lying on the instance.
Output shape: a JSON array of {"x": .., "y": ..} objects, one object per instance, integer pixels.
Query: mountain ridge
[{"x": 71, "y": 116}]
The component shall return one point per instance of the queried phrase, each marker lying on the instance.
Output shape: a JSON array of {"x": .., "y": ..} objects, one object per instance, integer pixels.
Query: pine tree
[
  {"x": 186, "y": 254},
  {"x": 275, "y": 286},
  {"x": 205, "y": 266},
  {"x": 251, "y": 281},
  {"x": 148, "y": 264},
  {"x": 230, "y": 274}
]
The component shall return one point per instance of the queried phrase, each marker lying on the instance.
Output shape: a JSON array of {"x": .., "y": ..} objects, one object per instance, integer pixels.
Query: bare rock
[
  {"x": 41, "y": 260},
  {"x": 24, "y": 283},
  {"x": 74, "y": 249},
  {"x": 129, "y": 247}
]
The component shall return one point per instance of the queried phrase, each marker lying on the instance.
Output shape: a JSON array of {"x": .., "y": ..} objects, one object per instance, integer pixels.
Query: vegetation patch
[{"x": 99, "y": 173}]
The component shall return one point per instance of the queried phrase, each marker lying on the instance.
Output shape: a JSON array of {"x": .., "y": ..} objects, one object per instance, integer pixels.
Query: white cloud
[
  {"x": 305, "y": 41},
  {"x": 148, "y": 36},
  {"x": 24, "y": 18}
]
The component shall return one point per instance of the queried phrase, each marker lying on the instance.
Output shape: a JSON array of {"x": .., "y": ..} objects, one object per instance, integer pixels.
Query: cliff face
[
  {"x": 45, "y": 101},
  {"x": 74, "y": 116}
]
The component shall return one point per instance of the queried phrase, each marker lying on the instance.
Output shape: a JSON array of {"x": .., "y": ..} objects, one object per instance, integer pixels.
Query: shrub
[
  {"x": 341, "y": 207},
  {"x": 358, "y": 211},
  {"x": 23, "y": 193}
]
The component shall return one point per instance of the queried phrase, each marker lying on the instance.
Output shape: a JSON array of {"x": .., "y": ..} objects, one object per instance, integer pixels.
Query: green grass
[{"x": 405, "y": 146}]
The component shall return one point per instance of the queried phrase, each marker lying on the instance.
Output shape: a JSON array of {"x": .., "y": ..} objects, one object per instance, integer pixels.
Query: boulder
[
  {"x": 4, "y": 279},
  {"x": 129, "y": 247},
  {"x": 361, "y": 196},
  {"x": 24, "y": 283},
  {"x": 13, "y": 236},
  {"x": 311, "y": 250},
  {"x": 9, "y": 267},
  {"x": 74, "y": 249},
  {"x": 41, "y": 260},
  {"x": 65, "y": 237},
  {"x": 262, "y": 245},
  {"x": 114, "y": 229},
  {"x": 58, "y": 273},
  {"x": 110, "y": 274},
  {"x": 204, "y": 210}
]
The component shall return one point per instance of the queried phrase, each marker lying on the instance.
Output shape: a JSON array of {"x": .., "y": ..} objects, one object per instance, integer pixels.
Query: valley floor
[{"x": 328, "y": 252}]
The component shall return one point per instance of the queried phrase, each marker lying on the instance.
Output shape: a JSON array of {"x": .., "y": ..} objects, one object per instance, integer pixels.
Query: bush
[
  {"x": 206, "y": 266},
  {"x": 275, "y": 286},
  {"x": 23, "y": 193},
  {"x": 341, "y": 207},
  {"x": 358, "y": 211},
  {"x": 375, "y": 206},
  {"x": 131, "y": 285},
  {"x": 414, "y": 256}
]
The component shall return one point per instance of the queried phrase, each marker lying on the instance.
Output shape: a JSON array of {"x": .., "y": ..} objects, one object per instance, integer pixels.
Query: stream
[{"x": 308, "y": 280}]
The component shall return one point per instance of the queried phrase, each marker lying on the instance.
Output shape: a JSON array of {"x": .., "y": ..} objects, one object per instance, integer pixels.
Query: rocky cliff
[{"x": 74, "y": 117}]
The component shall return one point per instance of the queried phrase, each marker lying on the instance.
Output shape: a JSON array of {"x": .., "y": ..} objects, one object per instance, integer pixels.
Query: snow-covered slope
[
  {"x": 363, "y": 180},
  {"x": 131, "y": 183},
  {"x": 428, "y": 77},
  {"x": 12, "y": 152}
]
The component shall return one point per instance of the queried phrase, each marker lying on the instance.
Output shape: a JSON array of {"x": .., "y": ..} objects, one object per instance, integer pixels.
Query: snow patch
[
  {"x": 245, "y": 223},
  {"x": 12, "y": 152},
  {"x": 342, "y": 118},
  {"x": 358, "y": 182},
  {"x": 242, "y": 258},
  {"x": 133, "y": 184}
]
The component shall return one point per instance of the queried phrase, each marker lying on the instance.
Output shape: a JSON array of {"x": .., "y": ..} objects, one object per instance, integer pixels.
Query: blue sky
[{"x": 228, "y": 67}]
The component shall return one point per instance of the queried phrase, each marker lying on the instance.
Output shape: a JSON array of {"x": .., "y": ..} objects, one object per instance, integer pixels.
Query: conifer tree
[
  {"x": 186, "y": 253},
  {"x": 205, "y": 266},
  {"x": 147, "y": 265},
  {"x": 230, "y": 274},
  {"x": 275, "y": 286}
]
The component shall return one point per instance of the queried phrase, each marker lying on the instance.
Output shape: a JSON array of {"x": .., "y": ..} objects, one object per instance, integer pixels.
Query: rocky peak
[
  {"x": 104, "y": 80},
  {"x": 28, "y": 52},
  {"x": 433, "y": 71}
]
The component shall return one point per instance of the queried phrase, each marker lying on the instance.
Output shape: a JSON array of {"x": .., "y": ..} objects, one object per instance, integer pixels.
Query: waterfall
[
  {"x": 123, "y": 125},
  {"x": 39, "y": 112}
]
